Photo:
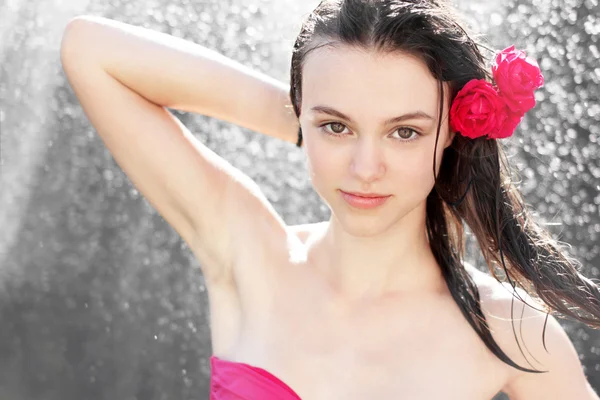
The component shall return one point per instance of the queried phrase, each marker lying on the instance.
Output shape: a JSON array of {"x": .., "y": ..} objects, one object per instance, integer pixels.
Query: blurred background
[{"x": 101, "y": 299}]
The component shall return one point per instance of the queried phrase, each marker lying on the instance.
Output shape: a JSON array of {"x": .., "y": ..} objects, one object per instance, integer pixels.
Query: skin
[
  {"x": 370, "y": 156},
  {"x": 350, "y": 308},
  {"x": 361, "y": 290},
  {"x": 355, "y": 307}
]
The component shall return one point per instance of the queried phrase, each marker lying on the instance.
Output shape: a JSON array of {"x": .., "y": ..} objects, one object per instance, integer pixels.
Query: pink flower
[
  {"x": 481, "y": 108},
  {"x": 478, "y": 110},
  {"x": 517, "y": 76},
  {"x": 507, "y": 123}
]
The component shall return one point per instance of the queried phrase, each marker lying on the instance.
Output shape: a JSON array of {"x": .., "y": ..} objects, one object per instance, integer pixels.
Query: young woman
[{"x": 402, "y": 120}]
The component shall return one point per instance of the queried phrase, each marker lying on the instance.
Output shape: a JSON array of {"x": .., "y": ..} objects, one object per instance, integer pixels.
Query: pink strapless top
[{"x": 230, "y": 380}]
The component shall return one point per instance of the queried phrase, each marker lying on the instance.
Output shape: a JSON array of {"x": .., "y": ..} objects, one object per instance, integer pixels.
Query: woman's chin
[{"x": 362, "y": 225}]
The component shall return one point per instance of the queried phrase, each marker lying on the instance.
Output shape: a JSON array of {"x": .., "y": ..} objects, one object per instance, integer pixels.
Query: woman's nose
[{"x": 367, "y": 162}]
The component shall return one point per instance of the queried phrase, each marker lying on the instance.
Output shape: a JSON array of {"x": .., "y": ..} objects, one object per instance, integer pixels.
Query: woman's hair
[{"x": 474, "y": 182}]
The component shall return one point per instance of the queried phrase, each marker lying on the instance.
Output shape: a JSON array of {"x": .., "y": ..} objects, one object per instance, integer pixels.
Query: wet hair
[{"x": 473, "y": 185}]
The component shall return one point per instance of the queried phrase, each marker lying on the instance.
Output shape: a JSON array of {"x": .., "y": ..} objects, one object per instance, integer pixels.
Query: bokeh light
[{"x": 100, "y": 298}]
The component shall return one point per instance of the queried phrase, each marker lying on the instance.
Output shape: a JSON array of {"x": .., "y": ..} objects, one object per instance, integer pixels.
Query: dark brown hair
[{"x": 473, "y": 185}]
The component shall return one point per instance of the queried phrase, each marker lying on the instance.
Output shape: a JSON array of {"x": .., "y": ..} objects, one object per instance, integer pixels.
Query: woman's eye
[
  {"x": 337, "y": 129},
  {"x": 408, "y": 134}
]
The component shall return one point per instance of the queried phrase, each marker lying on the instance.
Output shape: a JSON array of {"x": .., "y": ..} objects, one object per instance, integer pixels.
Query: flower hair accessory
[{"x": 482, "y": 108}]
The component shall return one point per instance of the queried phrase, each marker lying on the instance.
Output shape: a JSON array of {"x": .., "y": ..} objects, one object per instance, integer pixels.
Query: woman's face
[{"x": 355, "y": 147}]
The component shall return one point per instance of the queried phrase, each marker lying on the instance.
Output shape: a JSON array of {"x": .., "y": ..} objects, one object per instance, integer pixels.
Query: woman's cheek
[
  {"x": 319, "y": 165},
  {"x": 421, "y": 174}
]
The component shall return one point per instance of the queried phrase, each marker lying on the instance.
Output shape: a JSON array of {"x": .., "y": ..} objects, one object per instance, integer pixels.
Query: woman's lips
[{"x": 363, "y": 202}]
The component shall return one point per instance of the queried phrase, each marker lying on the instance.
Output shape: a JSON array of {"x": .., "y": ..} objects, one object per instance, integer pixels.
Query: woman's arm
[
  {"x": 124, "y": 77},
  {"x": 179, "y": 74}
]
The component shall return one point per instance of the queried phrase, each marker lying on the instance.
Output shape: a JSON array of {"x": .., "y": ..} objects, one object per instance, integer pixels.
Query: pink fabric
[{"x": 230, "y": 380}]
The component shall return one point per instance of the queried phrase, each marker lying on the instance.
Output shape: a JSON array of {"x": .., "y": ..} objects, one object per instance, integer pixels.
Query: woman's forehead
[{"x": 363, "y": 78}]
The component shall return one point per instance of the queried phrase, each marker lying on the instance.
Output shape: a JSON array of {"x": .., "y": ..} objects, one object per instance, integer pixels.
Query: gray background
[{"x": 100, "y": 298}]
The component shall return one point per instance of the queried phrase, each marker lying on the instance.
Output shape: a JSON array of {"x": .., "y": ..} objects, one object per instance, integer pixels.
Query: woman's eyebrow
[{"x": 411, "y": 115}]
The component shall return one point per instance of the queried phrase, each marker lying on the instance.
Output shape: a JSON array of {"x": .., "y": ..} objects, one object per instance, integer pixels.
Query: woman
[{"x": 402, "y": 123}]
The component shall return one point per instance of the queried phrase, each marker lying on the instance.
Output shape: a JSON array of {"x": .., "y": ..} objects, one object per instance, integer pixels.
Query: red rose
[
  {"x": 517, "y": 76},
  {"x": 479, "y": 110},
  {"x": 507, "y": 123}
]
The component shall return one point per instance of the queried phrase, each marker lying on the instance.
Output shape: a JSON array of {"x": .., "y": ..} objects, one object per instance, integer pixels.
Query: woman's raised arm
[
  {"x": 125, "y": 77},
  {"x": 179, "y": 74}
]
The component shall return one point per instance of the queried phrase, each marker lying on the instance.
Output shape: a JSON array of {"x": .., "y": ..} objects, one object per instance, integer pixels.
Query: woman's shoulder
[
  {"x": 498, "y": 297},
  {"x": 497, "y": 293},
  {"x": 512, "y": 312},
  {"x": 490, "y": 288}
]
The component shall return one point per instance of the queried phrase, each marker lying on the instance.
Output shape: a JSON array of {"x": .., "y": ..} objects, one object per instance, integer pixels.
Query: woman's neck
[{"x": 394, "y": 262}]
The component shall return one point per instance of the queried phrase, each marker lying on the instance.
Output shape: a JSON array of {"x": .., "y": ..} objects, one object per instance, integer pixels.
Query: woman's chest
[
  {"x": 416, "y": 369},
  {"x": 408, "y": 348}
]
